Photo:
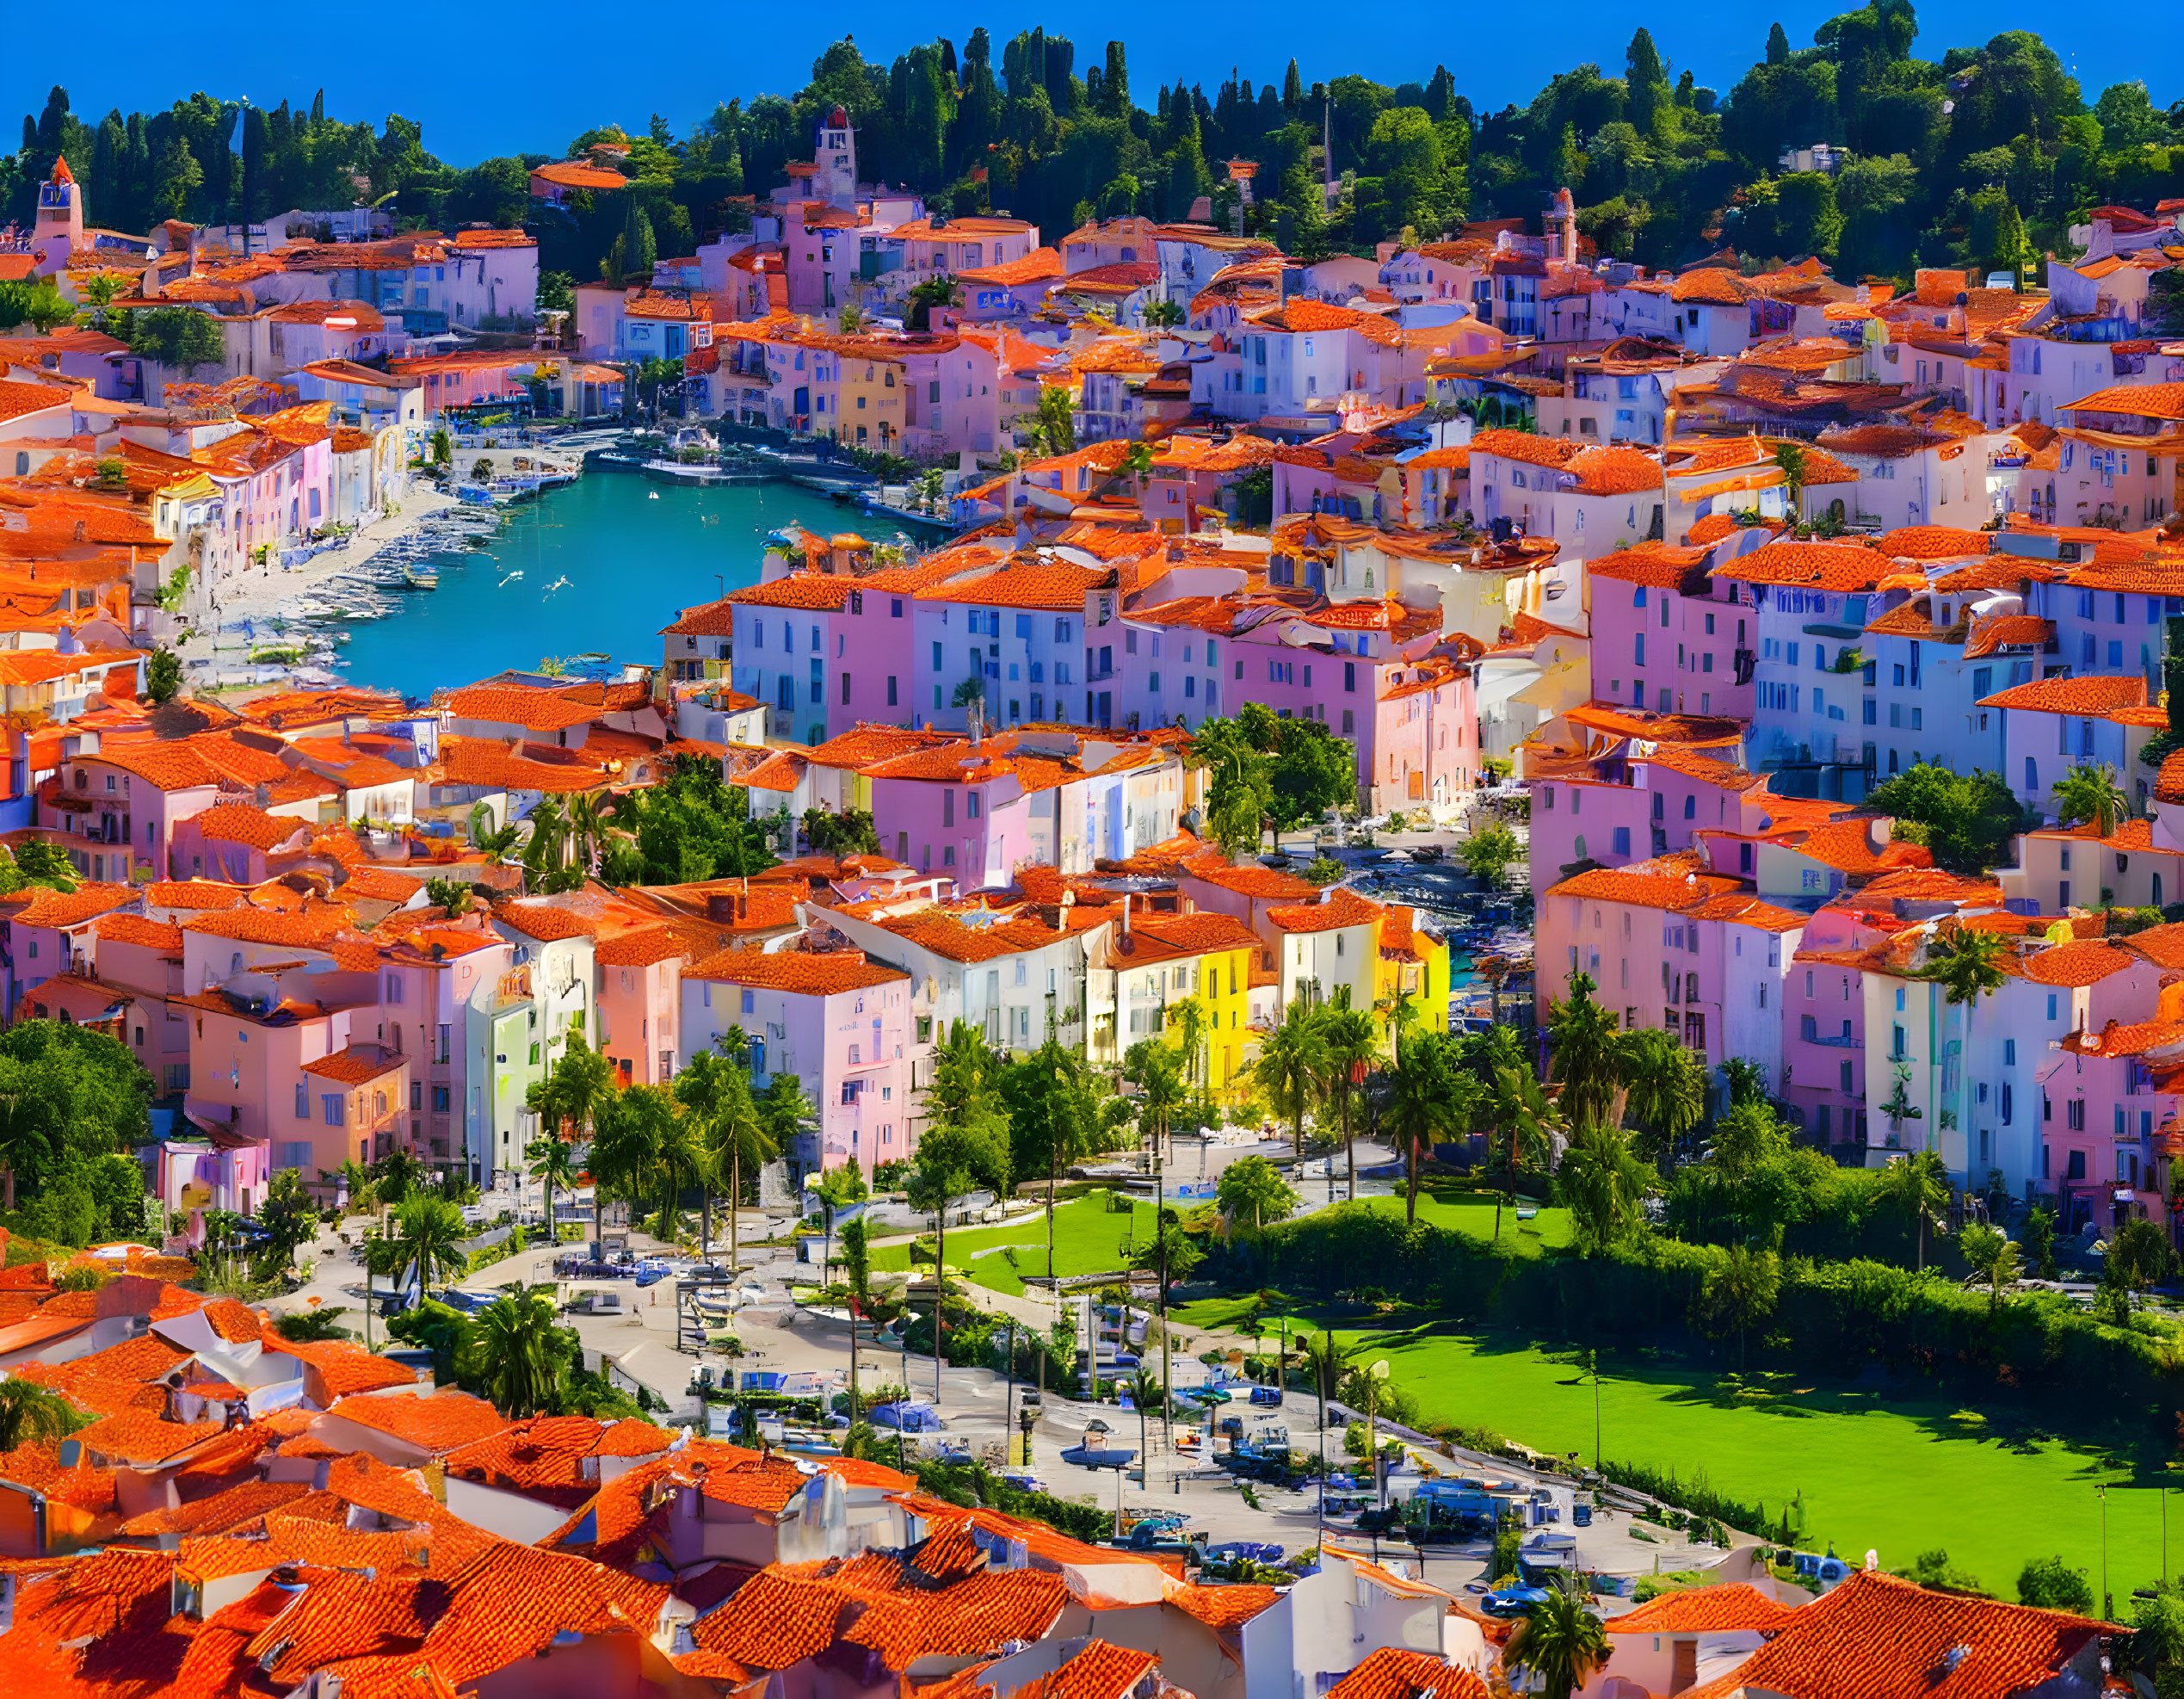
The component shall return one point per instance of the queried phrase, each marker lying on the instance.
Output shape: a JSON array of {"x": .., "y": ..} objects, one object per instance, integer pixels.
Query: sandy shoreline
[{"x": 262, "y": 593}]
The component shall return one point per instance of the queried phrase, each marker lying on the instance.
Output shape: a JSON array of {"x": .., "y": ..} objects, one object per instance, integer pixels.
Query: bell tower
[{"x": 59, "y": 231}]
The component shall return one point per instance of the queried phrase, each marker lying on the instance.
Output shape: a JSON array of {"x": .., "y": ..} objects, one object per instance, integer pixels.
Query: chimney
[{"x": 1125, "y": 914}]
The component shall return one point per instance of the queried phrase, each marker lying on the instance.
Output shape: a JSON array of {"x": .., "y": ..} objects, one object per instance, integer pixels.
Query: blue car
[{"x": 1513, "y": 1601}]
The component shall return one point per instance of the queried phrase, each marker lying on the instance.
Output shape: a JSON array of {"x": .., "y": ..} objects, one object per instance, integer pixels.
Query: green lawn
[
  {"x": 1088, "y": 1239},
  {"x": 1464, "y": 1211},
  {"x": 1897, "y": 1477}
]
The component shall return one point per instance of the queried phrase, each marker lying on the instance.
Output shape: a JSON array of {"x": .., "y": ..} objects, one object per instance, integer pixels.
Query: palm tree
[
  {"x": 1346, "y": 1045},
  {"x": 2087, "y": 793},
  {"x": 396, "y": 1177},
  {"x": 939, "y": 1177},
  {"x": 553, "y": 1165},
  {"x": 429, "y": 1231},
  {"x": 1587, "y": 1052},
  {"x": 1988, "y": 1253},
  {"x": 1429, "y": 1099},
  {"x": 519, "y": 1358},
  {"x": 837, "y": 1190},
  {"x": 1920, "y": 1186},
  {"x": 1665, "y": 1088},
  {"x": 1144, "y": 1389},
  {"x": 1512, "y": 1107},
  {"x": 626, "y": 1147},
  {"x": 1189, "y": 1019},
  {"x": 736, "y": 1138},
  {"x": 1738, "y": 1293},
  {"x": 684, "y": 1162},
  {"x": 1969, "y": 964},
  {"x": 29, "y": 1412},
  {"x": 703, "y": 1088},
  {"x": 1603, "y": 1181},
  {"x": 583, "y": 1082},
  {"x": 856, "y": 1270},
  {"x": 1559, "y": 1642},
  {"x": 1288, "y": 1068},
  {"x": 549, "y": 832},
  {"x": 1399, "y": 1009}
]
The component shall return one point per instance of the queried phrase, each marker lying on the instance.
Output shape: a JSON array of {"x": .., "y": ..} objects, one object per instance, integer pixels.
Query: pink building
[
  {"x": 839, "y": 1022},
  {"x": 641, "y": 1004},
  {"x": 1668, "y": 638}
]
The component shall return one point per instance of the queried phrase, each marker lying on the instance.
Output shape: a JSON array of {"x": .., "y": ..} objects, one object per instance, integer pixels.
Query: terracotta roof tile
[
  {"x": 2075, "y": 696},
  {"x": 1715, "y": 1610},
  {"x": 799, "y": 972},
  {"x": 1397, "y": 1672}
]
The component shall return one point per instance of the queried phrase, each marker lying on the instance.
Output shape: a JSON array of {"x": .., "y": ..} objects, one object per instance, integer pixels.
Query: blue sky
[{"x": 513, "y": 82}]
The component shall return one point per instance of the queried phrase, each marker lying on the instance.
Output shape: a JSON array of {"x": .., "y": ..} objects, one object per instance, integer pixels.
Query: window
[
  {"x": 331, "y": 1107},
  {"x": 303, "y": 1101}
]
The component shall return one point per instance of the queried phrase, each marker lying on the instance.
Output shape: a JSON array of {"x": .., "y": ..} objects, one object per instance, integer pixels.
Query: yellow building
[
  {"x": 1415, "y": 964},
  {"x": 1167, "y": 960}
]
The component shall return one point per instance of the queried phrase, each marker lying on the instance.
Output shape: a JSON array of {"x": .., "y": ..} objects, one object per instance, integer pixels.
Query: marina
[{"x": 477, "y": 586}]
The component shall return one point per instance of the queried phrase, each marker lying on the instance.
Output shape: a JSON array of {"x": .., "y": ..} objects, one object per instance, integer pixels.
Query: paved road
[{"x": 973, "y": 1404}]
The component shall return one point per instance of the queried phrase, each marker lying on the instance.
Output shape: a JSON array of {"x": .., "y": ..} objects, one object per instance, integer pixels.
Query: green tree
[
  {"x": 1969, "y": 819},
  {"x": 1583, "y": 1045},
  {"x": 290, "y": 1217},
  {"x": 1512, "y": 1108},
  {"x": 1665, "y": 1089},
  {"x": 1970, "y": 965},
  {"x": 1559, "y": 1643},
  {"x": 553, "y": 1165},
  {"x": 2139, "y": 1256},
  {"x": 1053, "y": 1116},
  {"x": 2052, "y": 1584},
  {"x": 180, "y": 337},
  {"x": 1603, "y": 1183},
  {"x": 1431, "y": 1098},
  {"x": 429, "y": 1235},
  {"x": 1488, "y": 854},
  {"x": 1252, "y": 1189},
  {"x": 1288, "y": 1067},
  {"x": 1348, "y": 1046},
  {"x": 856, "y": 1270},
  {"x": 1918, "y": 1185},
  {"x": 1987, "y": 1253},
  {"x": 2089, "y": 794},
  {"x": 70, "y": 1098},
  {"x": 1738, "y": 1293},
  {"x": 162, "y": 674},
  {"x": 838, "y": 1188},
  {"x": 516, "y": 1353},
  {"x": 28, "y": 1413},
  {"x": 2038, "y": 1237}
]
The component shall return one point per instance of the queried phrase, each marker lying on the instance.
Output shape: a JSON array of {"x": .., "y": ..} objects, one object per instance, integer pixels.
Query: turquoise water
[{"x": 630, "y": 562}]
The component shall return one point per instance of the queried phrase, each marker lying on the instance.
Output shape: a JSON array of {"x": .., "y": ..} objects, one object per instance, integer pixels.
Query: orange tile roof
[
  {"x": 2076, "y": 965},
  {"x": 1935, "y": 542},
  {"x": 1838, "y": 566},
  {"x": 356, "y": 1064},
  {"x": 1878, "y": 1637},
  {"x": 1340, "y": 906},
  {"x": 544, "y": 919},
  {"x": 1708, "y": 1610},
  {"x": 2075, "y": 696},
  {"x": 440, "y": 1423},
  {"x": 1658, "y": 565},
  {"x": 796, "y": 971},
  {"x": 1397, "y": 1672},
  {"x": 534, "y": 710},
  {"x": 245, "y": 823},
  {"x": 1024, "y": 582},
  {"x": 138, "y": 1436},
  {"x": 975, "y": 1618}
]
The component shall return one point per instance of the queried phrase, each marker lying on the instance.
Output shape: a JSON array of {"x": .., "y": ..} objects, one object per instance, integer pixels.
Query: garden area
[{"x": 1088, "y": 1233}]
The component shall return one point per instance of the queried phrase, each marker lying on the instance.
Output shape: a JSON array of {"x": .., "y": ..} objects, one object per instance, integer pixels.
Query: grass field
[
  {"x": 1088, "y": 1239},
  {"x": 1874, "y": 1472}
]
